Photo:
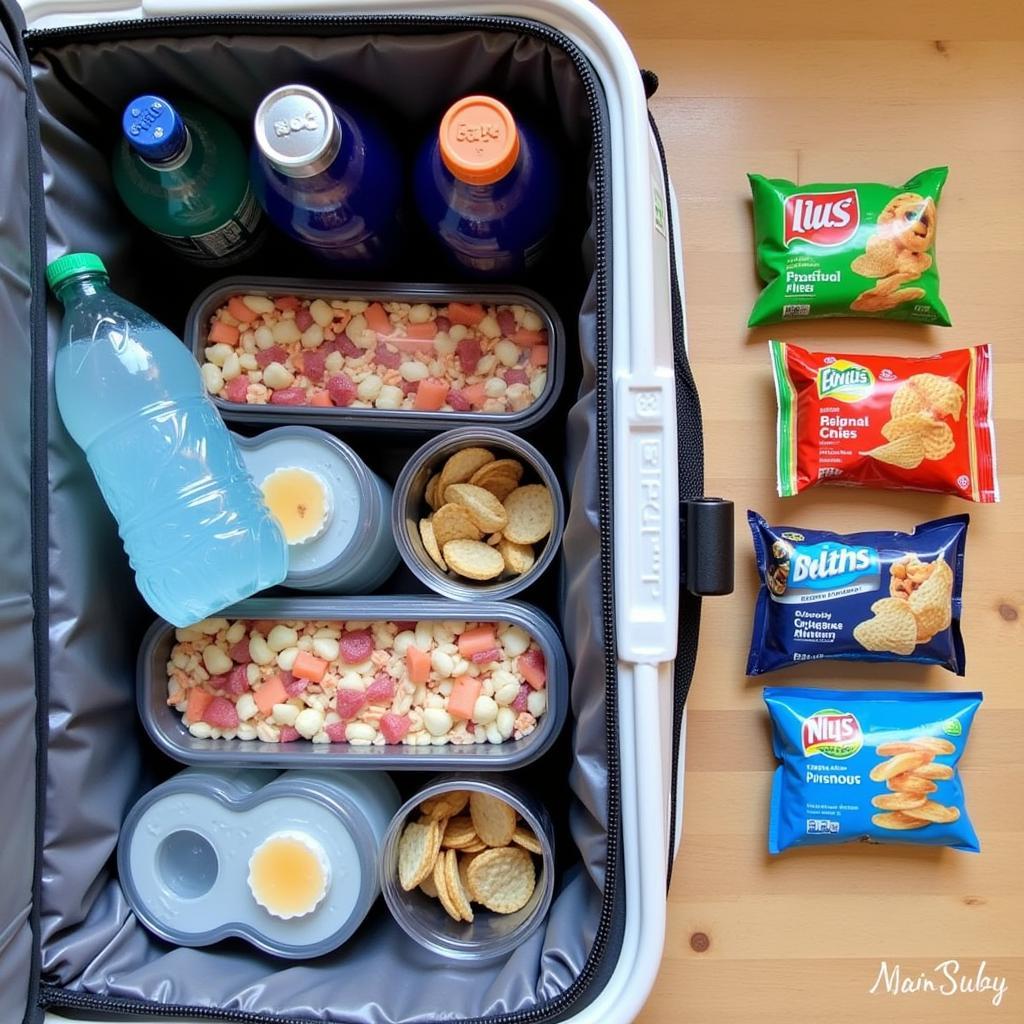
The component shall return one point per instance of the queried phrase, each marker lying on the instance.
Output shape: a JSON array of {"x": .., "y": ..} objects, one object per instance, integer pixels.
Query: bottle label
[{"x": 233, "y": 240}]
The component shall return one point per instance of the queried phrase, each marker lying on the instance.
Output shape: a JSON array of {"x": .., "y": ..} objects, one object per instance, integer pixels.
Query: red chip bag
[{"x": 920, "y": 423}]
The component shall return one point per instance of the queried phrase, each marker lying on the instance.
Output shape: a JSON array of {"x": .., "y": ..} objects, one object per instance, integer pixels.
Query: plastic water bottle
[
  {"x": 328, "y": 177},
  {"x": 129, "y": 392},
  {"x": 488, "y": 188},
  {"x": 181, "y": 171}
]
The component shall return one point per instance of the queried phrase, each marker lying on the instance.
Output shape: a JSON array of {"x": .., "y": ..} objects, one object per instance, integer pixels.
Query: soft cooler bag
[{"x": 626, "y": 438}]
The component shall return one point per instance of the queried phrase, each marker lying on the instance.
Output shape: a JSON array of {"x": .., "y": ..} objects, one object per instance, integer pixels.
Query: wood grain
[{"x": 872, "y": 91}]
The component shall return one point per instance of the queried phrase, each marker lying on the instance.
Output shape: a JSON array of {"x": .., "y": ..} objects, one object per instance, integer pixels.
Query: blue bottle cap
[{"x": 153, "y": 128}]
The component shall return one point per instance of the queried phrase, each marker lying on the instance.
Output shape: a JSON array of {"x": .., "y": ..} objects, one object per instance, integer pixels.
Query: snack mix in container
[{"x": 361, "y": 683}]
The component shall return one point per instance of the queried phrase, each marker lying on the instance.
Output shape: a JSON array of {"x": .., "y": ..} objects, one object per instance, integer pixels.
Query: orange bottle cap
[{"x": 478, "y": 139}]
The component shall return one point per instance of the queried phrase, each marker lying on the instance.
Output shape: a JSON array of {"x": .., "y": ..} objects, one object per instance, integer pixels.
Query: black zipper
[
  {"x": 58, "y": 997},
  {"x": 691, "y": 485}
]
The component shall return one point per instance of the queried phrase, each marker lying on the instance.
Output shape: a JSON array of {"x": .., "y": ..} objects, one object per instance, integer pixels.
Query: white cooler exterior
[{"x": 646, "y": 527}]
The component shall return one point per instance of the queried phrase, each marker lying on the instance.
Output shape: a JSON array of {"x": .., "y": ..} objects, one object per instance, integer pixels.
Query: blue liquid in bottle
[
  {"x": 328, "y": 178},
  {"x": 488, "y": 189},
  {"x": 192, "y": 521}
]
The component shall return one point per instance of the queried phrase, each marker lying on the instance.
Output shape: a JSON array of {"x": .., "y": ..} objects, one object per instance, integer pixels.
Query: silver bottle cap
[{"x": 296, "y": 131}]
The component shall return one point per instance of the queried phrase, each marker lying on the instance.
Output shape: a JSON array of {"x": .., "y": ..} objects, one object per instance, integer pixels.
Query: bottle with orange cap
[{"x": 488, "y": 188}]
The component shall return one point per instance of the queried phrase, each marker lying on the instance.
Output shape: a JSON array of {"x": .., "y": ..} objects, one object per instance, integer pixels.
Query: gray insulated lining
[
  {"x": 17, "y": 670},
  {"x": 99, "y": 760}
]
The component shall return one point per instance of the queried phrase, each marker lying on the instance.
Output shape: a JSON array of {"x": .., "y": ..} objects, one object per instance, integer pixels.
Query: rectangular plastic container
[
  {"x": 166, "y": 729},
  {"x": 210, "y": 300}
]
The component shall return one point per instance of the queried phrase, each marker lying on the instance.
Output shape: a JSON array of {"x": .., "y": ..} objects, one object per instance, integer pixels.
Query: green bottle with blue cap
[{"x": 181, "y": 171}]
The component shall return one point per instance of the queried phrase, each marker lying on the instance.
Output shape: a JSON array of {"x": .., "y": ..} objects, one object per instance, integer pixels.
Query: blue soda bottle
[
  {"x": 487, "y": 188},
  {"x": 181, "y": 171},
  {"x": 326, "y": 177},
  {"x": 129, "y": 392}
]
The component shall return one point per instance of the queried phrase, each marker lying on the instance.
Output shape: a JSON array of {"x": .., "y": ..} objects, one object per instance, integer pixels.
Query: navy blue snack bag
[
  {"x": 877, "y": 765},
  {"x": 873, "y": 596}
]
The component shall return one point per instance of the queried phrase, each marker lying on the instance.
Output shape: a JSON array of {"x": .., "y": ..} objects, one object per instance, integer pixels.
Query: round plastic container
[
  {"x": 185, "y": 850},
  {"x": 490, "y": 935},
  {"x": 354, "y": 551},
  {"x": 409, "y": 506}
]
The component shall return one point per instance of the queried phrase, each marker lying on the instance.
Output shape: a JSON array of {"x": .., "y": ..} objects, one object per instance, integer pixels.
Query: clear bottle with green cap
[
  {"x": 193, "y": 522},
  {"x": 181, "y": 170}
]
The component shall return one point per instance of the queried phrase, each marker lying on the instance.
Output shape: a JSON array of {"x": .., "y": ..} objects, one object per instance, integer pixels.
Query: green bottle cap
[{"x": 74, "y": 263}]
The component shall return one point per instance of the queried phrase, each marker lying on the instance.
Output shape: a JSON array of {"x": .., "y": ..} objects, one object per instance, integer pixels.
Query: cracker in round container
[
  {"x": 527, "y": 840},
  {"x": 500, "y": 477},
  {"x": 461, "y": 466},
  {"x": 447, "y": 805},
  {"x": 502, "y": 879},
  {"x": 441, "y": 884},
  {"x": 473, "y": 559},
  {"x": 531, "y": 514},
  {"x": 487, "y": 513},
  {"x": 518, "y": 558},
  {"x": 417, "y": 851},
  {"x": 452, "y": 522},
  {"x": 493, "y": 819},
  {"x": 459, "y": 833},
  {"x": 453, "y": 881},
  {"x": 430, "y": 493},
  {"x": 430, "y": 543}
]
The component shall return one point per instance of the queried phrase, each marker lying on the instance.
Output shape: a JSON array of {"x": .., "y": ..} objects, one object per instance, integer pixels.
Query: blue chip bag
[
  {"x": 878, "y": 596},
  {"x": 874, "y": 765}
]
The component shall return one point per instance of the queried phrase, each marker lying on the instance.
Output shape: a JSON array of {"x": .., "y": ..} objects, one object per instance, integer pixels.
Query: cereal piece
[
  {"x": 935, "y": 744},
  {"x": 897, "y": 801},
  {"x": 911, "y": 782},
  {"x": 907, "y": 452},
  {"x": 502, "y": 880},
  {"x": 453, "y": 884},
  {"x": 417, "y": 851},
  {"x": 461, "y": 466},
  {"x": 892, "y": 628},
  {"x": 527, "y": 840},
  {"x": 447, "y": 805},
  {"x": 484, "y": 508},
  {"x": 459, "y": 833},
  {"x": 897, "y": 820},
  {"x": 931, "y": 811},
  {"x": 900, "y": 763},
  {"x": 518, "y": 558},
  {"x": 500, "y": 477},
  {"x": 430, "y": 494},
  {"x": 493, "y": 819},
  {"x": 473, "y": 559},
  {"x": 441, "y": 885},
  {"x": 453, "y": 522},
  {"x": 430, "y": 543},
  {"x": 531, "y": 514},
  {"x": 934, "y": 770}
]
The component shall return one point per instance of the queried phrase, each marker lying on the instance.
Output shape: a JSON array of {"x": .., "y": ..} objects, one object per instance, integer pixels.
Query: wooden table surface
[{"x": 874, "y": 91}]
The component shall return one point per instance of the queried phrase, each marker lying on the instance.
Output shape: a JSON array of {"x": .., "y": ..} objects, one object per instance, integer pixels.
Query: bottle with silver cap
[
  {"x": 327, "y": 176},
  {"x": 181, "y": 170}
]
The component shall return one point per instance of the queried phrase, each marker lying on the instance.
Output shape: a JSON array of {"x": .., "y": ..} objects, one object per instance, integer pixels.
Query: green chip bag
[{"x": 848, "y": 250}]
